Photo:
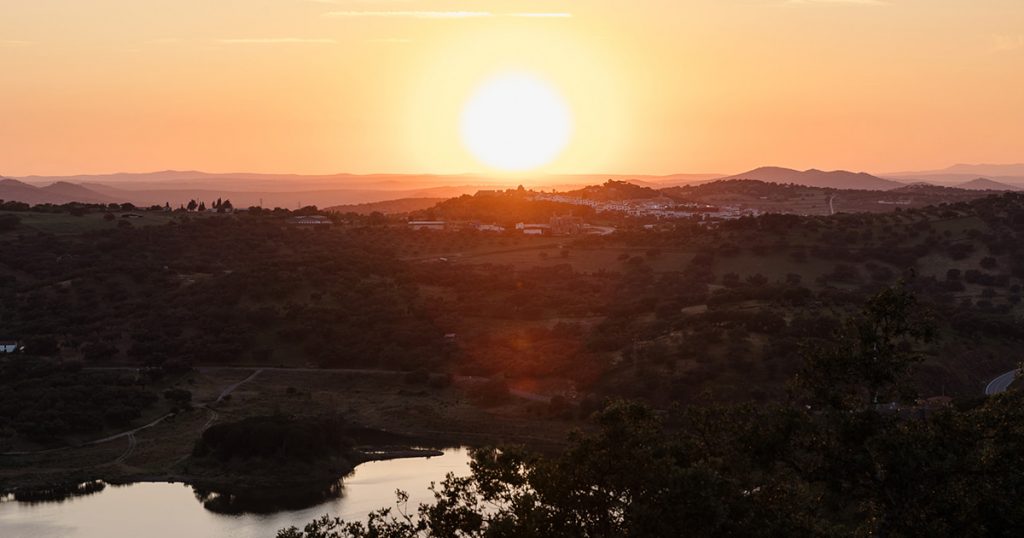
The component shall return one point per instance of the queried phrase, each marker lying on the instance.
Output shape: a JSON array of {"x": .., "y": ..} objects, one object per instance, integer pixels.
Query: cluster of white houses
[
  {"x": 310, "y": 220},
  {"x": 659, "y": 207},
  {"x": 557, "y": 225}
]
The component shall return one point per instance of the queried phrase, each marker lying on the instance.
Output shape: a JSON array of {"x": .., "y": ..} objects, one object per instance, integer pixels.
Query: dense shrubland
[
  {"x": 680, "y": 313},
  {"x": 275, "y": 438},
  {"x": 216, "y": 290},
  {"x": 44, "y": 401},
  {"x": 826, "y": 462}
]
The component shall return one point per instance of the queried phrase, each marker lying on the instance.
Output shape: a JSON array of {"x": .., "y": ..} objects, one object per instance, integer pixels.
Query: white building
[
  {"x": 438, "y": 225},
  {"x": 311, "y": 220},
  {"x": 8, "y": 346}
]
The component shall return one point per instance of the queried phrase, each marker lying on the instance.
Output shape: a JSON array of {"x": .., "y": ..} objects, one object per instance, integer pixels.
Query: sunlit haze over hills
[
  {"x": 516, "y": 268},
  {"x": 394, "y": 86}
]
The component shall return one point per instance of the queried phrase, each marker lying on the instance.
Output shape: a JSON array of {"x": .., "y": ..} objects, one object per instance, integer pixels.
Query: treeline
[
  {"x": 506, "y": 208},
  {"x": 613, "y": 190},
  {"x": 216, "y": 290},
  {"x": 44, "y": 400},
  {"x": 277, "y": 438}
]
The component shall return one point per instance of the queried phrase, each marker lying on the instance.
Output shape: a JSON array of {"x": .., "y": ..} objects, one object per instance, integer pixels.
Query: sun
[{"x": 516, "y": 122}]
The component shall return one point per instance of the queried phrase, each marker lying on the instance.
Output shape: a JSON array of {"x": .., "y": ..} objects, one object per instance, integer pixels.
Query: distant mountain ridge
[
  {"x": 1009, "y": 175},
  {"x": 985, "y": 184},
  {"x": 78, "y": 193},
  {"x": 407, "y": 192},
  {"x": 837, "y": 179},
  {"x": 12, "y": 190},
  {"x": 245, "y": 189},
  {"x": 62, "y": 192},
  {"x": 977, "y": 170}
]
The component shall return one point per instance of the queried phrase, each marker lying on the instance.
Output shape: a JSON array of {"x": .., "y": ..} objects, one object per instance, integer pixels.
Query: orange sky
[{"x": 654, "y": 86}]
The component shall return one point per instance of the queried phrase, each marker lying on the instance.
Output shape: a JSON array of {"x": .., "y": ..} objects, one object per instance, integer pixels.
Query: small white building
[
  {"x": 437, "y": 225},
  {"x": 8, "y": 346},
  {"x": 311, "y": 220},
  {"x": 534, "y": 229}
]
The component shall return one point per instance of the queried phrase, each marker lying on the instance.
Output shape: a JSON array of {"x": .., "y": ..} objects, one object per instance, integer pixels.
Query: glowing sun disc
[{"x": 516, "y": 122}]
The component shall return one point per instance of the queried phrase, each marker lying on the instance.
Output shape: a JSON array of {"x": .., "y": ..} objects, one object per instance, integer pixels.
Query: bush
[{"x": 281, "y": 438}]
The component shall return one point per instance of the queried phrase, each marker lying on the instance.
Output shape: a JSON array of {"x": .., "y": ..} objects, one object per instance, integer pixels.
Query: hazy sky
[{"x": 654, "y": 86}]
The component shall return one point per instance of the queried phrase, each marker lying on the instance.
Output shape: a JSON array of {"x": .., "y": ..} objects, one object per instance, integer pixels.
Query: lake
[{"x": 172, "y": 510}]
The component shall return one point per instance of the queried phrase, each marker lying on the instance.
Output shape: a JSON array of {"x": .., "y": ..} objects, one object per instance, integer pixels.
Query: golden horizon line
[{"x": 527, "y": 174}]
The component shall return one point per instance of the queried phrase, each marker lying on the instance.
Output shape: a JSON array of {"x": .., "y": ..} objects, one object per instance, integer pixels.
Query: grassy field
[{"x": 63, "y": 223}]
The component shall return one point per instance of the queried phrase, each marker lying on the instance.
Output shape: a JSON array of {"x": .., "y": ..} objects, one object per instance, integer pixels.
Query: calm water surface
[{"x": 161, "y": 510}]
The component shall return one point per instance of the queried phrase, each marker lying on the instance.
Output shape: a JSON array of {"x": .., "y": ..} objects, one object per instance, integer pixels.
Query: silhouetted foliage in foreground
[
  {"x": 817, "y": 466},
  {"x": 737, "y": 472}
]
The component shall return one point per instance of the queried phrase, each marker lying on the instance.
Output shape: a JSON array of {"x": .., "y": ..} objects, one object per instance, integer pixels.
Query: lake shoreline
[
  {"x": 200, "y": 481},
  {"x": 162, "y": 509}
]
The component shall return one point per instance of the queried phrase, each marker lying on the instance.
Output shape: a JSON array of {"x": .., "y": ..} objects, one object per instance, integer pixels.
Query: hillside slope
[
  {"x": 838, "y": 179},
  {"x": 388, "y": 207},
  {"x": 985, "y": 184}
]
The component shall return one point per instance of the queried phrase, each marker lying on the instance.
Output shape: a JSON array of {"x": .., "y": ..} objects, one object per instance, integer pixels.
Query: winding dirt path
[{"x": 130, "y": 434}]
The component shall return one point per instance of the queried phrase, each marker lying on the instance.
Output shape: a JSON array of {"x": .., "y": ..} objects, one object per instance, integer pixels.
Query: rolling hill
[
  {"x": 78, "y": 193},
  {"x": 615, "y": 190},
  {"x": 1008, "y": 174},
  {"x": 12, "y": 190},
  {"x": 838, "y": 179},
  {"x": 63, "y": 192},
  {"x": 985, "y": 184},
  {"x": 388, "y": 207},
  {"x": 805, "y": 200},
  {"x": 985, "y": 170}
]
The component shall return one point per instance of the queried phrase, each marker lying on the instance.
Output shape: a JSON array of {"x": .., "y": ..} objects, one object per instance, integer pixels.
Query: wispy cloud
[
  {"x": 1003, "y": 43},
  {"x": 847, "y": 2},
  {"x": 15, "y": 43},
  {"x": 443, "y": 14},
  {"x": 278, "y": 40},
  {"x": 411, "y": 14}
]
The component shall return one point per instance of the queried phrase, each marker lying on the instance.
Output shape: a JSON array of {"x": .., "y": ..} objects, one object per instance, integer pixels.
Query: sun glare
[{"x": 516, "y": 122}]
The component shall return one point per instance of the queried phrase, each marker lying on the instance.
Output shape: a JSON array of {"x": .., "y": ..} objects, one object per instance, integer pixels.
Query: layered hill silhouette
[
  {"x": 838, "y": 179},
  {"x": 78, "y": 193},
  {"x": 244, "y": 190},
  {"x": 12, "y": 190},
  {"x": 403, "y": 193},
  {"x": 985, "y": 184},
  {"x": 177, "y": 187},
  {"x": 1011, "y": 176}
]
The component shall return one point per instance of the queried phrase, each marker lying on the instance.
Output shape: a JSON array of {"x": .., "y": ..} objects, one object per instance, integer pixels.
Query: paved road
[{"x": 1001, "y": 383}]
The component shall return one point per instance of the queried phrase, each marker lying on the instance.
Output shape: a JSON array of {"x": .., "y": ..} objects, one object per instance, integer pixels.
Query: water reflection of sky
[{"x": 160, "y": 510}]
